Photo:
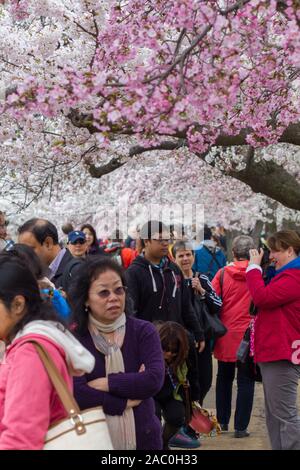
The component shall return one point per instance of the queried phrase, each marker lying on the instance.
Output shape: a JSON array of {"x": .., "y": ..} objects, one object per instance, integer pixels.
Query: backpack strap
[{"x": 213, "y": 259}]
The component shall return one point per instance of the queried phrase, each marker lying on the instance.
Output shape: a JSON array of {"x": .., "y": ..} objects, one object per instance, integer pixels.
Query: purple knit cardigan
[{"x": 141, "y": 346}]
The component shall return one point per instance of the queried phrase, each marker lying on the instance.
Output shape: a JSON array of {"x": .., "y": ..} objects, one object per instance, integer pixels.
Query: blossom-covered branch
[{"x": 213, "y": 73}]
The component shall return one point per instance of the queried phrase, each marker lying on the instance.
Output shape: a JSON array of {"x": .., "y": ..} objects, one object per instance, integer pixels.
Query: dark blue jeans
[{"x": 245, "y": 394}]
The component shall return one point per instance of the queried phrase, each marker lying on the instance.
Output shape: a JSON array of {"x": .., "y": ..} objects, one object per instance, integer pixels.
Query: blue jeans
[{"x": 245, "y": 394}]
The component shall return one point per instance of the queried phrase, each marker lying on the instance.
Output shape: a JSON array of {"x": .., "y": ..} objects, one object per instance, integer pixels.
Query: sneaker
[
  {"x": 224, "y": 427},
  {"x": 191, "y": 432},
  {"x": 184, "y": 440},
  {"x": 239, "y": 434}
]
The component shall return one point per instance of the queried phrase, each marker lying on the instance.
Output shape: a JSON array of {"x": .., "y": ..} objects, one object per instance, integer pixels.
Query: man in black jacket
[
  {"x": 159, "y": 293},
  {"x": 156, "y": 285},
  {"x": 42, "y": 236}
]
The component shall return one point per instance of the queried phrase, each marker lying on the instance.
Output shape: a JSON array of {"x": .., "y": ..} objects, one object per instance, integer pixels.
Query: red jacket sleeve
[{"x": 280, "y": 291}]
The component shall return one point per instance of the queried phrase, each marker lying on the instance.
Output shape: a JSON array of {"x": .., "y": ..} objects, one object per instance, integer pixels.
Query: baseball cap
[{"x": 76, "y": 235}]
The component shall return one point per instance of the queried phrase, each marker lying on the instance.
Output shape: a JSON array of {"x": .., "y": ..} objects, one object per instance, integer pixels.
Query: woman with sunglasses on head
[{"x": 129, "y": 361}]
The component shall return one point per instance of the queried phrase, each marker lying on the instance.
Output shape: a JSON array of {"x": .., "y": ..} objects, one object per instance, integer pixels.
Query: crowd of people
[{"x": 130, "y": 325}]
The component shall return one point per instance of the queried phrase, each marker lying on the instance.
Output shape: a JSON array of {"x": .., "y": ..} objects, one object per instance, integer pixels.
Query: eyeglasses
[
  {"x": 78, "y": 242},
  {"x": 105, "y": 293}
]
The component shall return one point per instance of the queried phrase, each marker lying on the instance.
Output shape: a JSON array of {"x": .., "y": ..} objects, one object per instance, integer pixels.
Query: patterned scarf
[{"x": 122, "y": 428}]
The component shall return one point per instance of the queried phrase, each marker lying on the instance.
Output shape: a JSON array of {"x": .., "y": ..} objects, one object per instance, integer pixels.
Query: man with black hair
[
  {"x": 156, "y": 285},
  {"x": 158, "y": 291},
  {"x": 42, "y": 236}
]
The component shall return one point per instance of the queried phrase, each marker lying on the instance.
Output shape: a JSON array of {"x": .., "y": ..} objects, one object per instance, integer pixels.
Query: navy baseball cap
[{"x": 76, "y": 235}]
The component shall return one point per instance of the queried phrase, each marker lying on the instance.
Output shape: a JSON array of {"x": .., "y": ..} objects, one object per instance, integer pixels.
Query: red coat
[
  {"x": 278, "y": 321},
  {"x": 235, "y": 309}
]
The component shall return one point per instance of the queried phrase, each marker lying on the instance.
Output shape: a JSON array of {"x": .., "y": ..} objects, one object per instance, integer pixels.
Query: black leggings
[
  {"x": 205, "y": 371},
  {"x": 173, "y": 412}
]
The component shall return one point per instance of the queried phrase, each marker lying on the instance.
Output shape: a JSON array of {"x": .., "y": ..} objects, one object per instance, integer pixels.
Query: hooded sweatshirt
[
  {"x": 160, "y": 293},
  {"x": 235, "y": 309},
  {"x": 29, "y": 403},
  {"x": 277, "y": 326}
]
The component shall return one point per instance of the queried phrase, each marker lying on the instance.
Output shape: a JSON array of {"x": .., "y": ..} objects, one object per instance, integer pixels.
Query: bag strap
[
  {"x": 68, "y": 401},
  {"x": 222, "y": 281},
  {"x": 213, "y": 259}
]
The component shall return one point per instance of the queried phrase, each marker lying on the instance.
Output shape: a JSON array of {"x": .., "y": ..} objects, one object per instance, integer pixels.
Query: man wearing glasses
[
  {"x": 156, "y": 285},
  {"x": 77, "y": 244}
]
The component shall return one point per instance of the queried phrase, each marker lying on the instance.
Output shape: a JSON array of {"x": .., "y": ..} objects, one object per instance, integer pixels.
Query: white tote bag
[{"x": 82, "y": 430}]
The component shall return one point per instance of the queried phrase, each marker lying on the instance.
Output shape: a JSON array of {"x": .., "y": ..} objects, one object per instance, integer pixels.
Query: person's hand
[
  {"x": 133, "y": 403},
  {"x": 255, "y": 256},
  {"x": 63, "y": 293},
  {"x": 99, "y": 384},
  {"x": 196, "y": 284},
  {"x": 201, "y": 346},
  {"x": 142, "y": 368},
  {"x": 45, "y": 283}
]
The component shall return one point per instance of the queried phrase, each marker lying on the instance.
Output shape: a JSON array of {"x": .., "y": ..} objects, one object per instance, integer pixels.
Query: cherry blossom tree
[
  {"x": 99, "y": 83},
  {"x": 151, "y": 178}
]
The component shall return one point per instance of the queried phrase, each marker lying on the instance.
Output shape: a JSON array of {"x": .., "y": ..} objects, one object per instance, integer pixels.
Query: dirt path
[{"x": 258, "y": 439}]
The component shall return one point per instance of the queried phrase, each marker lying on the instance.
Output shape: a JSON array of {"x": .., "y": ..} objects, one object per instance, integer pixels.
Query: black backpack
[{"x": 70, "y": 273}]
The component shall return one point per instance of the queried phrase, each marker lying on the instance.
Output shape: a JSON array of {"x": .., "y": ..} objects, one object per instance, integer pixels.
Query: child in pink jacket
[{"x": 29, "y": 403}]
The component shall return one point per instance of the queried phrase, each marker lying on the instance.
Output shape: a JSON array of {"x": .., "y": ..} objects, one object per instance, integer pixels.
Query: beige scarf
[{"x": 121, "y": 428}]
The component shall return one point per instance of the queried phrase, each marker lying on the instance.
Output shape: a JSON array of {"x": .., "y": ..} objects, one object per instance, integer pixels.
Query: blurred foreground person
[{"x": 29, "y": 403}]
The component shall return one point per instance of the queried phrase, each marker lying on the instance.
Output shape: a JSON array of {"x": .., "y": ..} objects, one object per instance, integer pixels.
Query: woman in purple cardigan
[{"x": 129, "y": 368}]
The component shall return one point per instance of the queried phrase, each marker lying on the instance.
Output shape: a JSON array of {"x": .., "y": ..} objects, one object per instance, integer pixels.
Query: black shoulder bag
[{"x": 212, "y": 326}]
